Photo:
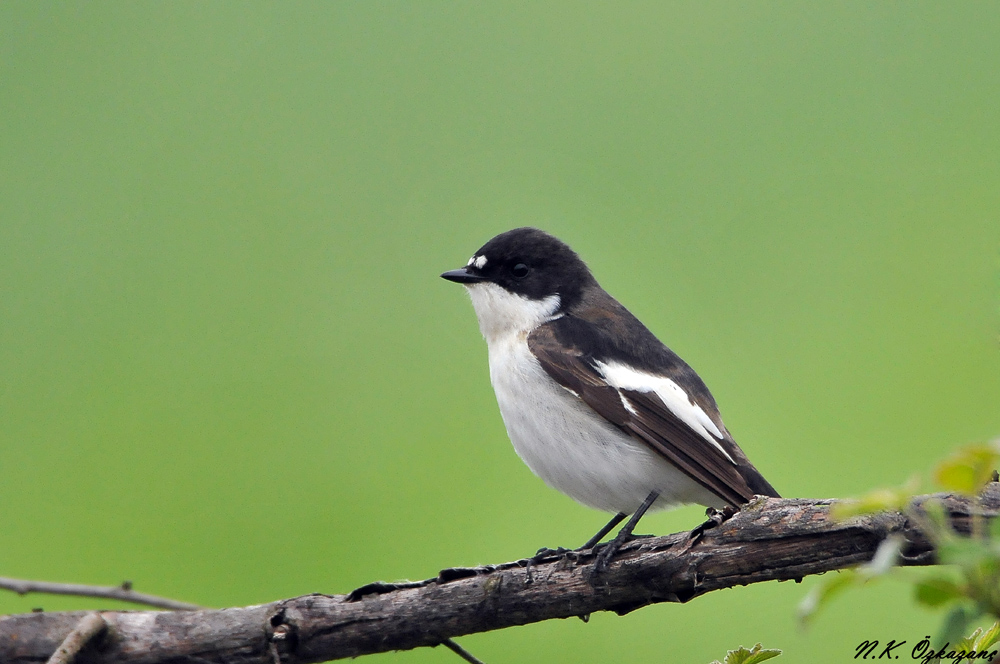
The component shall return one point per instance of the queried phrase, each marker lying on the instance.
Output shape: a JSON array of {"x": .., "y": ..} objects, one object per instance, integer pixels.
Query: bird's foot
[
  {"x": 545, "y": 554},
  {"x": 608, "y": 552},
  {"x": 624, "y": 535},
  {"x": 715, "y": 519},
  {"x": 609, "y": 549}
]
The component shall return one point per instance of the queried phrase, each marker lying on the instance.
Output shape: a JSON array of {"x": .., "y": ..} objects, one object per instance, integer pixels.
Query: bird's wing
[{"x": 653, "y": 409}]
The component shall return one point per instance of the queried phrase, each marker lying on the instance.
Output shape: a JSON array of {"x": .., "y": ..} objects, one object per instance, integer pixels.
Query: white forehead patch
[{"x": 478, "y": 261}]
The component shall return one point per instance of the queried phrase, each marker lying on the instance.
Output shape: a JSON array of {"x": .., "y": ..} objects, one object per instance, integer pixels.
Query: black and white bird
[{"x": 594, "y": 403}]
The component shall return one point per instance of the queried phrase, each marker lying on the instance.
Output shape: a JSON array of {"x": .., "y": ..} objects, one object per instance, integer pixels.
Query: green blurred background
[{"x": 230, "y": 373}]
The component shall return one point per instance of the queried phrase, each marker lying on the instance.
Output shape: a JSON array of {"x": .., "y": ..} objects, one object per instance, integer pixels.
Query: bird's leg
[
  {"x": 611, "y": 548},
  {"x": 615, "y": 520}
]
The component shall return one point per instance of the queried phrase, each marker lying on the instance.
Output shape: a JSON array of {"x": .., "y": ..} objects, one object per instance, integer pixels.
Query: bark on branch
[{"x": 769, "y": 540}]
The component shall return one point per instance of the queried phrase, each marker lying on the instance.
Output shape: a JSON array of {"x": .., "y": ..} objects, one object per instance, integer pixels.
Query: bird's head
[{"x": 520, "y": 279}]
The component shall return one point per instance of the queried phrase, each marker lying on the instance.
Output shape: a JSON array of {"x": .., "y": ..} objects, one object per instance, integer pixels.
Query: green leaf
[
  {"x": 824, "y": 591},
  {"x": 762, "y": 655},
  {"x": 979, "y": 640},
  {"x": 955, "y": 625},
  {"x": 956, "y": 477},
  {"x": 879, "y": 500},
  {"x": 968, "y": 470},
  {"x": 936, "y": 591},
  {"x": 938, "y": 515},
  {"x": 752, "y": 656},
  {"x": 884, "y": 559},
  {"x": 995, "y": 528},
  {"x": 966, "y": 644},
  {"x": 987, "y": 638},
  {"x": 967, "y": 553}
]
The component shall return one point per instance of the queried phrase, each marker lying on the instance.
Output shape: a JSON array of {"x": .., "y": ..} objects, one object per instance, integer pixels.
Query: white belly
[{"x": 571, "y": 447}]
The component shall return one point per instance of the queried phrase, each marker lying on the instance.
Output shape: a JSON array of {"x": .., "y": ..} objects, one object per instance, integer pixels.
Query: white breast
[{"x": 562, "y": 440}]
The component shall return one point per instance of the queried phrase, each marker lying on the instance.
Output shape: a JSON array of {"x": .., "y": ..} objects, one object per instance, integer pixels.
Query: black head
[{"x": 528, "y": 262}]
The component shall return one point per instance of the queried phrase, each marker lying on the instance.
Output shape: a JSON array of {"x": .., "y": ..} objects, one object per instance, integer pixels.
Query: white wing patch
[
  {"x": 623, "y": 377},
  {"x": 626, "y": 404},
  {"x": 573, "y": 392}
]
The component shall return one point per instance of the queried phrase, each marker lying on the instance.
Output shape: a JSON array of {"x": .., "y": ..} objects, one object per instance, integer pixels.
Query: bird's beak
[{"x": 462, "y": 276}]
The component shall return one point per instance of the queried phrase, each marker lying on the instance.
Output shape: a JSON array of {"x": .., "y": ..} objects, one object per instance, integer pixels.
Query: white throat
[{"x": 502, "y": 313}]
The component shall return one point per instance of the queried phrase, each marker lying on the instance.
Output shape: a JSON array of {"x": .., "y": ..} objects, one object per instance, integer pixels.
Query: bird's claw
[
  {"x": 715, "y": 519},
  {"x": 545, "y": 552}
]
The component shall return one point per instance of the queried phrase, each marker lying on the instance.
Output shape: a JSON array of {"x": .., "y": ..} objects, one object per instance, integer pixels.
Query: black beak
[{"x": 462, "y": 276}]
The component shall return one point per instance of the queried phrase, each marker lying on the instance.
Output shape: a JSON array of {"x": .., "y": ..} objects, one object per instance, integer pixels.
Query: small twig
[
  {"x": 123, "y": 593},
  {"x": 461, "y": 652},
  {"x": 87, "y": 629}
]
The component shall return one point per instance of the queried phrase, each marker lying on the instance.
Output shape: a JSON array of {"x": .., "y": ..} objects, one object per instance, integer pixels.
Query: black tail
[{"x": 757, "y": 483}]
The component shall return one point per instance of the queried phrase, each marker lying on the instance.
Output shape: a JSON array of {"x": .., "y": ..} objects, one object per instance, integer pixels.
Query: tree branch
[
  {"x": 770, "y": 539},
  {"x": 91, "y": 626},
  {"x": 122, "y": 593}
]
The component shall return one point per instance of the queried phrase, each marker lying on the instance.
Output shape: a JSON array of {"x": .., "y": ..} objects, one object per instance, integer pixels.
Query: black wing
[{"x": 733, "y": 478}]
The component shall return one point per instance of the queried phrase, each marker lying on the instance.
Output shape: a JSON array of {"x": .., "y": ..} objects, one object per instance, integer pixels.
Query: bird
[{"x": 593, "y": 402}]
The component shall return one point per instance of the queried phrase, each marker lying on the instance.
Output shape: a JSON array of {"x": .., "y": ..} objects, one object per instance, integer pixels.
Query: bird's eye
[{"x": 520, "y": 270}]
